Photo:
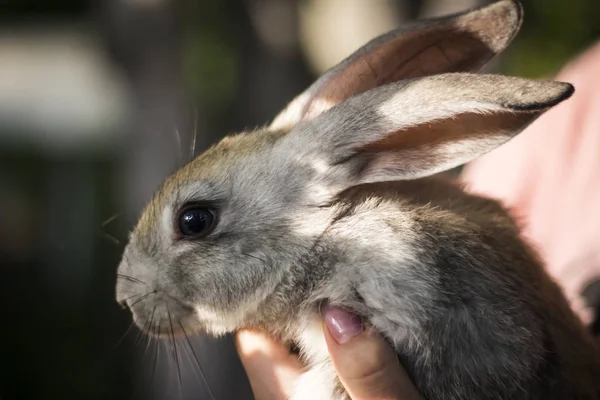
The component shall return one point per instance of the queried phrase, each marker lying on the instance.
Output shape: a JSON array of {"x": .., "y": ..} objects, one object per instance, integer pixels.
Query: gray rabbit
[{"x": 338, "y": 201}]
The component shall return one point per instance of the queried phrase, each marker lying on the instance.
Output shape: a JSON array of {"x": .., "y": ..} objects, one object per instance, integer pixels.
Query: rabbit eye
[{"x": 196, "y": 221}]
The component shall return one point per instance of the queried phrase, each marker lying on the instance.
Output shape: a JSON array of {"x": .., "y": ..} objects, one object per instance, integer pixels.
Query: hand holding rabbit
[{"x": 366, "y": 364}]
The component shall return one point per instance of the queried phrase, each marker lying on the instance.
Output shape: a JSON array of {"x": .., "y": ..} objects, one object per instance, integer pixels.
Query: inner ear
[
  {"x": 449, "y": 130},
  {"x": 434, "y": 147},
  {"x": 463, "y": 42},
  {"x": 424, "y": 52}
]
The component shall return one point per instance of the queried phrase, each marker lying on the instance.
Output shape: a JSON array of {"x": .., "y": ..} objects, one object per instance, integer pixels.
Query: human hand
[{"x": 367, "y": 366}]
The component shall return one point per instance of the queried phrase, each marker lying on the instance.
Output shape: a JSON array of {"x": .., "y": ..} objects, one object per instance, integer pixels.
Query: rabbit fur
[{"x": 338, "y": 201}]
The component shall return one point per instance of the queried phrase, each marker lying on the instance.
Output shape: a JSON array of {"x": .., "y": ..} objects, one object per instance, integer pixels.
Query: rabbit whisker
[
  {"x": 149, "y": 328},
  {"x": 193, "y": 145},
  {"x": 156, "y": 350},
  {"x": 141, "y": 298},
  {"x": 197, "y": 361},
  {"x": 179, "y": 150},
  {"x": 141, "y": 332},
  {"x": 131, "y": 325},
  {"x": 255, "y": 257},
  {"x": 110, "y": 237},
  {"x": 174, "y": 343},
  {"x": 131, "y": 297},
  {"x": 134, "y": 321},
  {"x": 131, "y": 279},
  {"x": 109, "y": 220}
]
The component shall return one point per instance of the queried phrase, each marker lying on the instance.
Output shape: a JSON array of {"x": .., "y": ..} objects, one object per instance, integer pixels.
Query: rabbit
[{"x": 340, "y": 200}]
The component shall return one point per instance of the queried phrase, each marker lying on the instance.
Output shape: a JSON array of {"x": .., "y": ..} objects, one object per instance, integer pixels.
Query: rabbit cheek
[{"x": 223, "y": 290}]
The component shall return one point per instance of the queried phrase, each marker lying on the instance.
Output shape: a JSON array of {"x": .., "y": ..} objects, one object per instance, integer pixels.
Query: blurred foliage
[
  {"x": 61, "y": 342},
  {"x": 210, "y": 62},
  {"x": 554, "y": 31}
]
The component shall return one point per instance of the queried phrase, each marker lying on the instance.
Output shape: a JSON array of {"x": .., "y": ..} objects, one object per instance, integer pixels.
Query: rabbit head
[{"x": 229, "y": 237}]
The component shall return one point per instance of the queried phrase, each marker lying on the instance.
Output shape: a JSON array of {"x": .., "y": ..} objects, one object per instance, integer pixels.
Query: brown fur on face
[{"x": 209, "y": 166}]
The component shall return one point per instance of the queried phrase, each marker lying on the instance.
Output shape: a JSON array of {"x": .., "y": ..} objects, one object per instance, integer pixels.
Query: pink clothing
[{"x": 550, "y": 178}]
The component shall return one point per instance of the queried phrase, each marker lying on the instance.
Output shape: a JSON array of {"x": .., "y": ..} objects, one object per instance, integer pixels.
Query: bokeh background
[{"x": 100, "y": 100}]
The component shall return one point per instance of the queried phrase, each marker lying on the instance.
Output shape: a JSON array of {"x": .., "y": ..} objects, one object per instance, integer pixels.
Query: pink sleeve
[{"x": 550, "y": 178}]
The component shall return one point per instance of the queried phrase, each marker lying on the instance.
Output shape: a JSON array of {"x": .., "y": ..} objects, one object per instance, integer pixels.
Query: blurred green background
[{"x": 100, "y": 100}]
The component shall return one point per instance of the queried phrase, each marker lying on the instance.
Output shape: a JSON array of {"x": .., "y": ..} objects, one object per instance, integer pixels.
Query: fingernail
[{"x": 342, "y": 325}]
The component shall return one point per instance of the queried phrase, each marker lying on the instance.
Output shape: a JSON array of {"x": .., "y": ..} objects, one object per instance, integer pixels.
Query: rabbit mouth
[{"x": 160, "y": 315}]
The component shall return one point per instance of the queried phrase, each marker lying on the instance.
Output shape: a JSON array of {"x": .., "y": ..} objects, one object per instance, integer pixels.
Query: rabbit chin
[{"x": 218, "y": 323}]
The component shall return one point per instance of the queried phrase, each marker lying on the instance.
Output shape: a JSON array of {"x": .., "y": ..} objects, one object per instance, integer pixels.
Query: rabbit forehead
[
  {"x": 216, "y": 163},
  {"x": 237, "y": 162}
]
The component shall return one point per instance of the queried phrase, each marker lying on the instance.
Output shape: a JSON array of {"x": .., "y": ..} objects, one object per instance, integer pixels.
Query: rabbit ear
[
  {"x": 462, "y": 42},
  {"x": 419, "y": 127}
]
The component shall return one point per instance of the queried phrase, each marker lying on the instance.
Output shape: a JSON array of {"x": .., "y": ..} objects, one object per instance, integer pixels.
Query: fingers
[
  {"x": 367, "y": 366},
  {"x": 271, "y": 369}
]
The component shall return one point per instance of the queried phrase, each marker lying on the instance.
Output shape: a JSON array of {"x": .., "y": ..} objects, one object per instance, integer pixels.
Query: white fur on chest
[
  {"x": 311, "y": 340},
  {"x": 319, "y": 381}
]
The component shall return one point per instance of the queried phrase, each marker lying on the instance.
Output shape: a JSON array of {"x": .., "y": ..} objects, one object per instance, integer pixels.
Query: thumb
[{"x": 367, "y": 366}]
